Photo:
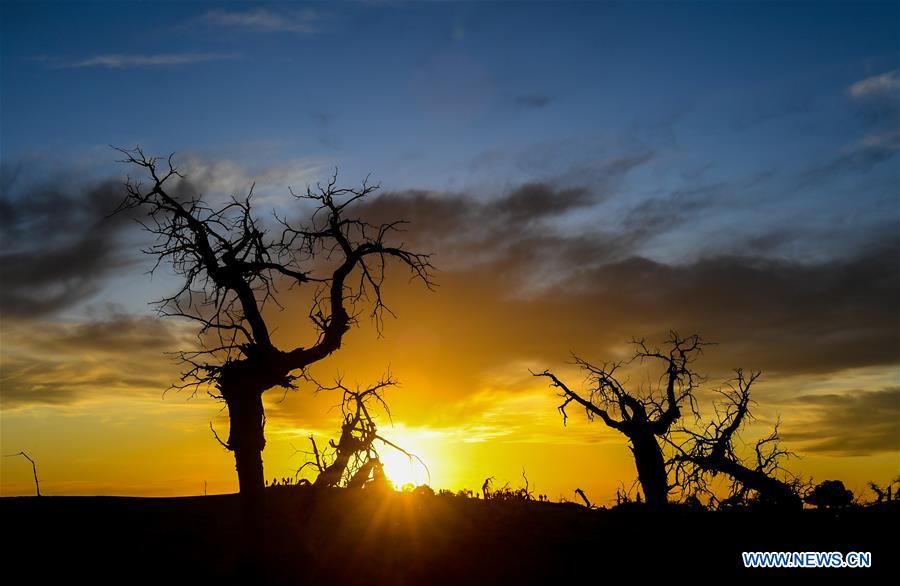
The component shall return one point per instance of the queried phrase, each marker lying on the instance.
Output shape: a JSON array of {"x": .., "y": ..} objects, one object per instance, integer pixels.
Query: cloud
[
  {"x": 533, "y": 101},
  {"x": 59, "y": 242},
  {"x": 854, "y": 423},
  {"x": 465, "y": 231},
  {"x": 888, "y": 142},
  {"x": 122, "y": 61},
  {"x": 437, "y": 214},
  {"x": 538, "y": 287},
  {"x": 872, "y": 150},
  {"x": 303, "y": 21},
  {"x": 603, "y": 170},
  {"x": 877, "y": 100},
  {"x": 541, "y": 270},
  {"x": 878, "y": 85},
  {"x": 115, "y": 355},
  {"x": 534, "y": 201},
  {"x": 215, "y": 180},
  {"x": 779, "y": 316}
]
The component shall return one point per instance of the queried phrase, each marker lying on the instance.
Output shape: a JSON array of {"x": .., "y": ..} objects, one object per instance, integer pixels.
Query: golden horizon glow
[{"x": 467, "y": 405}]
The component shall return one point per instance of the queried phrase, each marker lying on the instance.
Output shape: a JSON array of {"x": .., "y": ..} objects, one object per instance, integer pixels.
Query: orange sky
[{"x": 467, "y": 405}]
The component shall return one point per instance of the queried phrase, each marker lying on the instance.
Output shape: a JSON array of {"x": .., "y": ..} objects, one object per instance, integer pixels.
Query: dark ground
[{"x": 336, "y": 537}]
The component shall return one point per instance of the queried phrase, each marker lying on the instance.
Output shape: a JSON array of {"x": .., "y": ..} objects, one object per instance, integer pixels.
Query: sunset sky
[{"x": 584, "y": 173}]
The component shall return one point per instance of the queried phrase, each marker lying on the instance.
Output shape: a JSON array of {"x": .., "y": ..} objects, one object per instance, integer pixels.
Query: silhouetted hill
[{"x": 338, "y": 537}]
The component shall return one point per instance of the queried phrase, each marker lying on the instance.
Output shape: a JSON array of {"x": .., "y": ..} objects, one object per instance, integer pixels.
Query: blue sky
[
  {"x": 775, "y": 125},
  {"x": 445, "y": 95}
]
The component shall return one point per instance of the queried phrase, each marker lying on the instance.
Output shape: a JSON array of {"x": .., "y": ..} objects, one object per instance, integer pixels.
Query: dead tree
[
  {"x": 712, "y": 451},
  {"x": 232, "y": 270},
  {"x": 885, "y": 493},
  {"x": 506, "y": 492},
  {"x": 353, "y": 460},
  {"x": 527, "y": 491},
  {"x": 37, "y": 484},
  {"x": 645, "y": 416},
  {"x": 584, "y": 497},
  {"x": 486, "y": 488}
]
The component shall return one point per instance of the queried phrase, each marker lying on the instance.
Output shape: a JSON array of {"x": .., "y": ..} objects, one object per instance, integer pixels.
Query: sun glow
[{"x": 402, "y": 469}]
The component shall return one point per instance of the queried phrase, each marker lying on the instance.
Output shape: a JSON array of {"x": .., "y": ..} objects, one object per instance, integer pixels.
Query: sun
[{"x": 402, "y": 470}]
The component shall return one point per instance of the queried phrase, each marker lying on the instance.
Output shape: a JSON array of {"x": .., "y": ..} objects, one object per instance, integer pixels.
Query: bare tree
[
  {"x": 486, "y": 487},
  {"x": 645, "y": 416},
  {"x": 353, "y": 460},
  {"x": 506, "y": 492},
  {"x": 885, "y": 493},
  {"x": 37, "y": 484},
  {"x": 584, "y": 498},
  {"x": 231, "y": 270},
  {"x": 712, "y": 451}
]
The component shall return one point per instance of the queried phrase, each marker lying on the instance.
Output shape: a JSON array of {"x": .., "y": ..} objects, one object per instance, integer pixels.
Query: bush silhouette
[{"x": 830, "y": 494}]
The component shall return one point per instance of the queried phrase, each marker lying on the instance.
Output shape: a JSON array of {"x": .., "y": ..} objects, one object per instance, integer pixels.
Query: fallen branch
[{"x": 584, "y": 497}]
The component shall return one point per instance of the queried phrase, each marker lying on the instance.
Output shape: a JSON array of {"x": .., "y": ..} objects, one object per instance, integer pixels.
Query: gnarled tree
[
  {"x": 353, "y": 460},
  {"x": 231, "y": 269},
  {"x": 645, "y": 416},
  {"x": 712, "y": 451}
]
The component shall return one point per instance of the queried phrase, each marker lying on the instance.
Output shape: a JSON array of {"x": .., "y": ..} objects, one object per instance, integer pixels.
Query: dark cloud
[
  {"x": 463, "y": 227},
  {"x": 533, "y": 101},
  {"x": 656, "y": 214},
  {"x": 114, "y": 355},
  {"x": 66, "y": 384},
  {"x": 849, "y": 424},
  {"x": 532, "y": 274},
  {"x": 589, "y": 289},
  {"x": 776, "y": 315},
  {"x": 604, "y": 174},
  {"x": 117, "y": 332},
  {"x": 535, "y": 201},
  {"x": 58, "y": 242},
  {"x": 860, "y": 158}
]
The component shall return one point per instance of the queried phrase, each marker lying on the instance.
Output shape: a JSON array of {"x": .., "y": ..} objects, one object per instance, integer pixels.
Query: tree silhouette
[
  {"x": 645, "y": 416},
  {"x": 353, "y": 460},
  {"x": 232, "y": 270},
  {"x": 37, "y": 484},
  {"x": 830, "y": 494},
  {"x": 885, "y": 493},
  {"x": 584, "y": 498},
  {"x": 711, "y": 451}
]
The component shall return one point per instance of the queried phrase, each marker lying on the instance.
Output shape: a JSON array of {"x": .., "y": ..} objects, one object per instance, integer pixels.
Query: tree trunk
[
  {"x": 770, "y": 490},
  {"x": 247, "y": 440},
  {"x": 334, "y": 472},
  {"x": 651, "y": 469},
  {"x": 361, "y": 477}
]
